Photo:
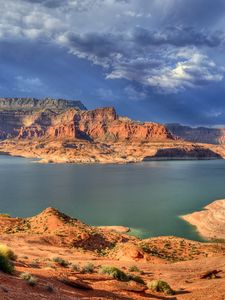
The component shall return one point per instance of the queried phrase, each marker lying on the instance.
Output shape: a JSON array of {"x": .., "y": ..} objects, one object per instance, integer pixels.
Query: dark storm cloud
[
  {"x": 95, "y": 45},
  {"x": 197, "y": 12},
  {"x": 78, "y": 5},
  {"x": 47, "y": 3},
  {"x": 123, "y": 1},
  {"x": 178, "y": 36},
  {"x": 167, "y": 58},
  {"x": 135, "y": 56},
  {"x": 166, "y": 54},
  {"x": 75, "y": 5}
]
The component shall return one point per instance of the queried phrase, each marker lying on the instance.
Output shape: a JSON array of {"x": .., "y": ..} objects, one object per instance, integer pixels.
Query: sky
[{"x": 153, "y": 60}]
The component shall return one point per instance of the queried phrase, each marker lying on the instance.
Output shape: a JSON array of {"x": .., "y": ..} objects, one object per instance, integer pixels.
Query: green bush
[
  {"x": 7, "y": 252},
  {"x": 114, "y": 272},
  {"x": 160, "y": 286},
  {"x": 133, "y": 269},
  {"x": 6, "y": 257},
  {"x": 137, "y": 279},
  {"x": 62, "y": 262},
  {"x": 75, "y": 267},
  {"x": 6, "y": 265},
  {"x": 88, "y": 268},
  {"x": 30, "y": 279}
]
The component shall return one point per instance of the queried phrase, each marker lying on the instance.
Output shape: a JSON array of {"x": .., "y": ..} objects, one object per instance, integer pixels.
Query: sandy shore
[
  {"x": 119, "y": 229},
  {"x": 210, "y": 222}
]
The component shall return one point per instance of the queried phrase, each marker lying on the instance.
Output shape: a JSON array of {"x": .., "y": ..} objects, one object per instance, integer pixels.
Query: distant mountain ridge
[
  {"x": 198, "y": 134},
  {"x": 34, "y": 103},
  {"x": 58, "y": 130}
]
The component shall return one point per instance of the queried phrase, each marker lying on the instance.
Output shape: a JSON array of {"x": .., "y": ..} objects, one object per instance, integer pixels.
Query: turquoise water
[{"x": 148, "y": 197}]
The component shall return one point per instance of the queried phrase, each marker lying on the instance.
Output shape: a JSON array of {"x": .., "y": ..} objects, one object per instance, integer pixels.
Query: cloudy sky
[{"x": 156, "y": 60}]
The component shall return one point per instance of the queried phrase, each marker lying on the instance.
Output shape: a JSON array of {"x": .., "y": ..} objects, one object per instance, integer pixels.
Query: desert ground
[{"x": 65, "y": 259}]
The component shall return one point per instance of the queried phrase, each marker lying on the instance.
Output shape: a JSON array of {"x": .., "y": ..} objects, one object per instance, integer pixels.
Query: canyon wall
[
  {"x": 17, "y": 113},
  {"x": 198, "y": 134},
  {"x": 33, "y": 103},
  {"x": 101, "y": 124},
  {"x": 61, "y": 131}
]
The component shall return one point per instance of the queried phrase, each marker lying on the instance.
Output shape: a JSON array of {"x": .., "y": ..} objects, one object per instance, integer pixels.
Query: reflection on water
[{"x": 148, "y": 197}]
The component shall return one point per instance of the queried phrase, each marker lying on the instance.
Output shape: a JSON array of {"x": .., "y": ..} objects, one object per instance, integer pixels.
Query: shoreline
[
  {"x": 66, "y": 257},
  {"x": 210, "y": 221},
  {"x": 43, "y": 160},
  {"x": 131, "y": 231}
]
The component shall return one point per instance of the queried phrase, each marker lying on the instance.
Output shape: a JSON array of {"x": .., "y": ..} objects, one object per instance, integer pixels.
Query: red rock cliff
[{"x": 101, "y": 124}]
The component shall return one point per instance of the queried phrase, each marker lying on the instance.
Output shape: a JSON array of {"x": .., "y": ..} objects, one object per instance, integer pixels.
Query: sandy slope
[{"x": 51, "y": 234}]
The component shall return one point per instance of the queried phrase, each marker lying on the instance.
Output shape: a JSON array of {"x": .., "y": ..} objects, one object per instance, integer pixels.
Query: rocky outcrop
[
  {"x": 99, "y": 125},
  {"x": 105, "y": 125},
  {"x": 210, "y": 222},
  {"x": 184, "y": 152},
  {"x": 58, "y": 131},
  {"x": 16, "y": 114},
  {"x": 198, "y": 134},
  {"x": 33, "y": 103}
]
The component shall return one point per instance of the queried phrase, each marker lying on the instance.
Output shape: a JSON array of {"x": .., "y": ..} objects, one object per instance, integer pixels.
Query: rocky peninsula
[{"x": 210, "y": 222}]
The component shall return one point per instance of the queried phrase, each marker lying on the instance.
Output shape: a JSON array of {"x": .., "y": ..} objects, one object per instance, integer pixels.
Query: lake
[{"x": 149, "y": 197}]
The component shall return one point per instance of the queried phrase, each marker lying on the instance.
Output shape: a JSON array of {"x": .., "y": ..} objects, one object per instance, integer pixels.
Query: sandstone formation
[
  {"x": 65, "y": 131},
  {"x": 61, "y": 119},
  {"x": 210, "y": 222},
  {"x": 198, "y": 134},
  {"x": 33, "y": 103},
  {"x": 66, "y": 257},
  {"x": 100, "y": 125}
]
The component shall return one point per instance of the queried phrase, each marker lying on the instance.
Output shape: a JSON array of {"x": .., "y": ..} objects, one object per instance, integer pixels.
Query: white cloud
[
  {"x": 165, "y": 59},
  {"x": 196, "y": 69},
  {"x": 131, "y": 13}
]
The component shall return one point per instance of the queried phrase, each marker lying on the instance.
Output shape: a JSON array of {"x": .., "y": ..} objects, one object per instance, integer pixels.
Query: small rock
[{"x": 211, "y": 274}]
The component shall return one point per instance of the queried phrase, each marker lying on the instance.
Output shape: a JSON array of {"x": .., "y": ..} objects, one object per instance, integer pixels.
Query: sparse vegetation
[
  {"x": 5, "y": 216},
  {"x": 6, "y": 265},
  {"x": 135, "y": 278},
  {"x": 75, "y": 267},
  {"x": 30, "y": 279},
  {"x": 133, "y": 269},
  {"x": 62, "y": 262},
  {"x": 160, "y": 286},
  {"x": 49, "y": 288},
  {"x": 114, "y": 272},
  {"x": 119, "y": 274},
  {"x": 7, "y": 252},
  {"x": 88, "y": 268},
  {"x": 34, "y": 263},
  {"x": 6, "y": 257}
]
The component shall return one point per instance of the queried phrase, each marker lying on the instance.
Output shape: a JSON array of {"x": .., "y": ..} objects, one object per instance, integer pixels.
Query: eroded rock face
[
  {"x": 33, "y": 103},
  {"x": 101, "y": 124},
  {"x": 54, "y": 131},
  {"x": 29, "y": 117},
  {"x": 199, "y": 134}
]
